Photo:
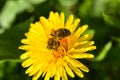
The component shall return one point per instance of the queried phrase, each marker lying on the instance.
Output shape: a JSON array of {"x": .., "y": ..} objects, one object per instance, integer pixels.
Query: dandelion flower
[{"x": 58, "y": 58}]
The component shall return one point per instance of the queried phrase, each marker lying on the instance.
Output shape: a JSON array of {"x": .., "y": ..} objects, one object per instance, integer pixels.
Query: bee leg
[
  {"x": 63, "y": 40},
  {"x": 64, "y": 43}
]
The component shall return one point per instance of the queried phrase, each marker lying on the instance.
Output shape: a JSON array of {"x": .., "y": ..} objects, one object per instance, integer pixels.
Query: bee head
[{"x": 52, "y": 32}]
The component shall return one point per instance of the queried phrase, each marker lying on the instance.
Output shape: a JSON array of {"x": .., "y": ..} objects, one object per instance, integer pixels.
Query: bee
[
  {"x": 57, "y": 36},
  {"x": 53, "y": 43},
  {"x": 61, "y": 33}
]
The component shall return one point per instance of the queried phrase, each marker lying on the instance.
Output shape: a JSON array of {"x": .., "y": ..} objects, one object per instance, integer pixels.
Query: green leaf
[
  {"x": 12, "y": 8},
  {"x": 116, "y": 39},
  {"x": 99, "y": 7},
  {"x": 111, "y": 20},
  {"x": 10, "y": 60},
  {"x": 104, "y": 52},
  {"x": 66, "y": 6},
  {"x": 113, "y": 58},
  {"x": 10, "y": 40},
  {"x": 89, "y": 31},
  {"x": 36, "y": 1},
  {"x": 68, "y": 3},
  {"x": 84, "y": 8}
]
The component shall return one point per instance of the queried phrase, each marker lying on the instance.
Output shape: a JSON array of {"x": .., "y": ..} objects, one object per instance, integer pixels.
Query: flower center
[
  {"x": 61, "y": 51},
  {"x": 58, "y": 42}
]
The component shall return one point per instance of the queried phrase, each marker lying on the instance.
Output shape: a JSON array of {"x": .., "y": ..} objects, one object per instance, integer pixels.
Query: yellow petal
[
  {"x": 52, "y": 69},
  {"x": 37, "y": 67},
  {"x": 37, "y": 75},
  {"x": 76, "y": 70},
  {"x": 84, "y": 37},
  {"x": 25, "y": 41},
  {"x": 62, "y": 19},
  {"x": 69, "y": 22},
  {"x": 57, "y": 76},
  {"x": 45, "y": 23},
  {"x": 64, "y": 75},
  {"x": 38, "y": 29},
  {"x": 25, "y": 55},
  {"x": 51, "y": 17},
  {"x": 24, "y": 47},
  {"x": 42, "y": 69},
  {"x": 81, "y": 50},
  {"x": 68, "y": 70},
  {"x": 84, "y": 45},
  {"x": 54, "y": 20},
  {"x": 81, "y": 55},
  {"x": 57, "y": 18},
  {"x": 29, "y": 69},
  {"x": 77, "y": 64},
  {"x": 27, "y": 62},
  {"x": 45, "y": 67},
  {"x": 47, "y": 76},
  {"x": 74, "y": 25},
  {"x": 77, "y": 33}
]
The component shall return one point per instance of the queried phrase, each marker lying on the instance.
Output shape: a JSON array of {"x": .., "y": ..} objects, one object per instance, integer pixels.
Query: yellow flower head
[{"x": 53, "y": 47}]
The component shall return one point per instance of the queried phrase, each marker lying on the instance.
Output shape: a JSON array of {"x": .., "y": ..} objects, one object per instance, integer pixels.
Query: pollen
[{"x": 62, "y": 50}]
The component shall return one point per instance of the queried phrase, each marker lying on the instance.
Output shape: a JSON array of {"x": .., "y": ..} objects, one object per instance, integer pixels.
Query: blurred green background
[{"x": 102, "y": 16}]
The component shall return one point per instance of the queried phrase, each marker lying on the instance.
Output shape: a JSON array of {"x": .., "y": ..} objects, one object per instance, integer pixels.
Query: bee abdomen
[{"x": 62, "y": 32}]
